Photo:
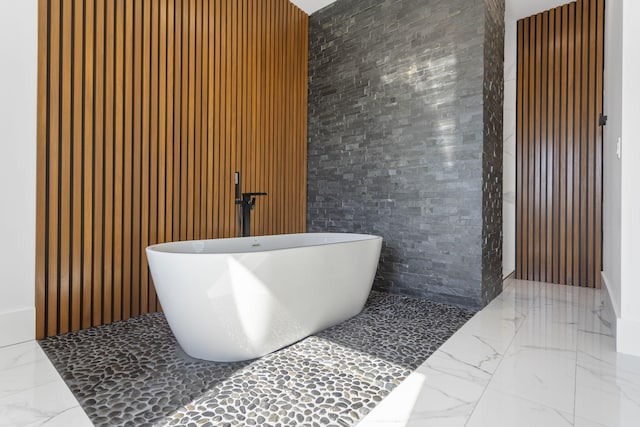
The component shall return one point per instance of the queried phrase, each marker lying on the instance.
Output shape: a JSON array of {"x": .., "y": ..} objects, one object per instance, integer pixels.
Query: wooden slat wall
[
  {"x": 559, "y": 145},
  {"x": 146, "y": 109}
]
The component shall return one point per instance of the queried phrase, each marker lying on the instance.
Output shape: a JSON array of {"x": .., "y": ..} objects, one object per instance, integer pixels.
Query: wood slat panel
[
  {"x": 577, "y": 140},
  {"x": 118, "y": 160},
  {"x": 549, "y": 148},
  {"x": 145, "y": 110},
  {"x": 42, "y": 166},
  {"x": 127, "y": 193},
  {"x": 64, "y": 207},
  {"x": 559, "y": 145},
  {"x": 529, "y": 183},
  {"x": 520, "y": 94},
  {"x": 555, "y": 90},
  {"x": 52, "y": 147},
  {"x": 97, "y": 190},
  {"x": 87, "y": 199},
  {"x": 77, "y": 159},
  {"x": 153, "y": 137},
  {"x": 136, "y": 249},
  {"x": 145, "y": 149}
]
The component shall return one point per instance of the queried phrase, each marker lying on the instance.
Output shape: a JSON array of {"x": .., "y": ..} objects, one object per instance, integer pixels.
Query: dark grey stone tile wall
[
  {"x": 397, "y": 112},
  {"x": 492, "y": 150}
]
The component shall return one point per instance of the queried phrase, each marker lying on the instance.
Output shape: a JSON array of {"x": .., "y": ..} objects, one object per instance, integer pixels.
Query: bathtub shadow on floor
[{"x": 134, "y": 372}]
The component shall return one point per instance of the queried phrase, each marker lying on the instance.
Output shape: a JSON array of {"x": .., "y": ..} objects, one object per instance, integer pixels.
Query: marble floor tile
[
  {"x": 597, "y": 348},
  {"x": 442, "y": 392},
  {"x": 583, "y": 422},
  {"x": 497, "y": 409},
  {"x": 547, "y": 333},
  {"x": 75, "y": 417},
  {"x": 539, "y": 374},
  {"x": 483, "y": 354},
  {"x": 20, "y": 354},
  {"x": 551, "y": 361},
  {"x": 594, "y": 319},
  {"x": 607, "y": 393},
  {"x": 497, "y": 322},
  {"x": 47, "y": 404},
  {"x": 26, "y": 376}
]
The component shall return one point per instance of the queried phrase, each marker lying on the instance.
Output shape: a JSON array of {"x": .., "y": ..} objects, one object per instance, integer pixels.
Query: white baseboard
[
  {"x": 627, "y": 331},
  {"x": 628, "y": 337},
  {"x": 611, "y": 299},
  {"x": 17, "y": 326}
]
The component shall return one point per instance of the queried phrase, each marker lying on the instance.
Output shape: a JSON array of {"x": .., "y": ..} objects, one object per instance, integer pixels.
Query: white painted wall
[
  {"x": 612, "y": 167},
  {"x": 18, "y": 75},
  {"x": 629, "y": 322},
  {"x": 311, "y": 6},
  {"x": 514, "y": 10}
]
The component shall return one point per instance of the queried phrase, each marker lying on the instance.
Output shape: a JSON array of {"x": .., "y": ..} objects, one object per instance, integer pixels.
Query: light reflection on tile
[
  {"x": 553, "y": 364},
  {"x": 607, "y": 393}
]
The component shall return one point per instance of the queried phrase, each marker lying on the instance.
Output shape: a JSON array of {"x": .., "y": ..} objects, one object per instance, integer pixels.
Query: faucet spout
[{"x": 247, "y": 203}]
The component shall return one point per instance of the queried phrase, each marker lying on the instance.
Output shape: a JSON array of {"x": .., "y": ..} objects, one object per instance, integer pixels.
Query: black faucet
[{"x": 247, "y": 201}]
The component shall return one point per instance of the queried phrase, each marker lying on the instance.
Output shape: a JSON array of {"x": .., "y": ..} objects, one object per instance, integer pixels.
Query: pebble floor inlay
[{"x": 134, "y": 373}]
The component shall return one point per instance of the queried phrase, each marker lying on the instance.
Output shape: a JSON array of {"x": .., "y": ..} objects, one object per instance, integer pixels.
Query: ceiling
[
  {"x": 518, "y": 9},
  {"x": 311, "y": 6},
  {"x": 515, "y": 9}
]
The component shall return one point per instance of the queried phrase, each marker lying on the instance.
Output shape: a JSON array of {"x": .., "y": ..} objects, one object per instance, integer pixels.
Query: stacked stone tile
[{"x": 405, "y": 139}]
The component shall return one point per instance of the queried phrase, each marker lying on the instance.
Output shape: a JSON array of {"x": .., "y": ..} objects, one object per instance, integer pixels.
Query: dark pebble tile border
[{"x": 134, "y": 373}]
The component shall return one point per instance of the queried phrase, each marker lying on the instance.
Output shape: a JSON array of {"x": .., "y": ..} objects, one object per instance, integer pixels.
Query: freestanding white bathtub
[{"x": 241, "y": 298}]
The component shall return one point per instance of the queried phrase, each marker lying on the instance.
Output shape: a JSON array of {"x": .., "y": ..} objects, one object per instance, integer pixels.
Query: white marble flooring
[
  {"x": 32, "y": 393},
  {"x": 538, "y": 355}
]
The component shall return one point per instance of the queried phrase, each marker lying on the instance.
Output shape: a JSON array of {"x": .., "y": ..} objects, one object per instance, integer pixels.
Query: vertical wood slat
[
  {"x": 542, "y": 148},
  {"x": 87, "y": 200},
  {"x": 577, "y": 138},
  {"x": 52, "y": 144},
  {"x": 145, "y": 110},
  {"x": 97, "y": 191},
  {"x": 153, "y": 136},
  {"x": 76, "y": 175},
  {"x": 145, "y": 149},
  {"x": 559, "y": 145},
  {"x": 570, "y": 145},
  {"x": 127, "y": 185},
  {"x": 519, "y": 144},
  {"x": 555, "y": 90},
  {"x": 562, "y": 256},
  {"x": 550, "y": 148},
  {"x": 64, "y": 206},
  {"x": 216, "y": 95},
  {"x": 530, "y": 149},
  {"x": 118, "y": 161},
  {"x": 42, "y": 166},
  {"x": 137, "y": 244}
]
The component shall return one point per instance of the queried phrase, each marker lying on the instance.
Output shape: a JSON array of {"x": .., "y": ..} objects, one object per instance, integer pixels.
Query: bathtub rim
[{"x": 157, "y": 246}]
